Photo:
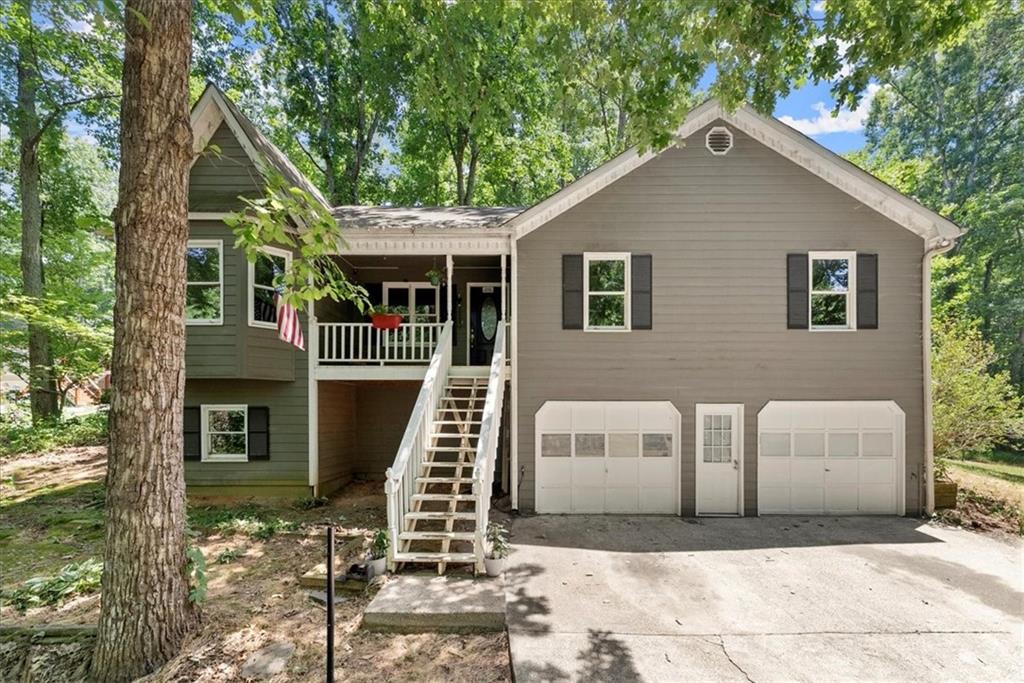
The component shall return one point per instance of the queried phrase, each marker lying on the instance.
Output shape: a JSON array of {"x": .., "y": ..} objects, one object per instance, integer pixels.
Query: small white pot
[
  {"x": 494, "y": 565},
  {"x": 378, "y": 567}
]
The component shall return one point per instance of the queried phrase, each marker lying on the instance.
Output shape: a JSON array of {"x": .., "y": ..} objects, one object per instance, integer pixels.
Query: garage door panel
[
  {"x": 863, "y": 445},
  {"x": 621, "y": 418},
  {"x": 587, "y": 417},
  {"x": 557, "y": 472},
  {"x": 554, "y": 499},
  {"x": 623, "y": 472},
  {"x": 588, "y": 472},
  {"x": 622, "y": 500},
  {"x": 661, "y": 501},
  {"x": 654, "y": 472},
  {"x": 587, "y": 500}
]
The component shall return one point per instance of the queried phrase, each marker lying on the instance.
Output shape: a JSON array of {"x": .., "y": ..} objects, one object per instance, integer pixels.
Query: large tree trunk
[
  {"x": 42, "y": 386},
  {"x": 146, "y": 612}
]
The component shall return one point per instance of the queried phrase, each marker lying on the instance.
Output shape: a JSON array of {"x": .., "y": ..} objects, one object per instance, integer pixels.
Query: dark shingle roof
[{"x": 424, "y": 217}]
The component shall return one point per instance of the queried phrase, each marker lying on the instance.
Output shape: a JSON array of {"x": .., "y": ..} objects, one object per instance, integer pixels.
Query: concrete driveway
[{"x": 761, "y": 599}]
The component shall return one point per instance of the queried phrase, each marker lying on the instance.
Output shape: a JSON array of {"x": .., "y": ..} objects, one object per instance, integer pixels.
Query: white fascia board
[{"x": 775, "y": 135}]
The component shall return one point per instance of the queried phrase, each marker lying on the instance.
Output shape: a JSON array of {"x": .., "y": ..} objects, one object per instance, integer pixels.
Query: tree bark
[
  {"x": 42, "y": 385},
  {"x": 146, "y": 612}
]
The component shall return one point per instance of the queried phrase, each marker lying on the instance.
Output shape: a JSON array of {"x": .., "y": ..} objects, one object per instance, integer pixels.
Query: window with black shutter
[
  {"x": 572, "y": 291},
  {"x": 193, "y": 434},
  {"x": 259, "y": 433}
]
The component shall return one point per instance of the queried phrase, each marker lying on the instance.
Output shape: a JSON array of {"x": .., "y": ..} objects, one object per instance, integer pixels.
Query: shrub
[
  {"x": 974, "y": 409},
  {"x": 19, "y": 435},
  {"x": 73, "y": 579}
]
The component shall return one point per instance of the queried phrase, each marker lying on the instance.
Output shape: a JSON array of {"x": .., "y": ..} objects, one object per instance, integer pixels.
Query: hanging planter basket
[{"x": 386, "y": 321}]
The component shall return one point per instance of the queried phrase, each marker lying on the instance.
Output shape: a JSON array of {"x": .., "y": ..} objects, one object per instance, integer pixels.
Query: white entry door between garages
[
  {"x": 719, "y": 459},
  {"x": 831, "y": 457},
  {"x": 607, "y": 457}
]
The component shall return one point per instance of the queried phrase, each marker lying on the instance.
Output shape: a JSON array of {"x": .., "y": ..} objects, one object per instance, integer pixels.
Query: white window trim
[
  {"x": 204, "y": 412},
  {"x": 219, "y": 246},
  {"x": 851, "y": 290},
  {"x": 411, "y": 287},
  {"x": 269, "y": 251},
  {"x": 626, "y": 258}
]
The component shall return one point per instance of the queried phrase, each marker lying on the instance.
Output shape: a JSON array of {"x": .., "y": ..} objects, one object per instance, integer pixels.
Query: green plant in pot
[
  {"x": 498, "y": 549},
  {"x": 378, "y": 555},
  {"x": 385, "y": 317},
  {"x": 435, "y": 276}
]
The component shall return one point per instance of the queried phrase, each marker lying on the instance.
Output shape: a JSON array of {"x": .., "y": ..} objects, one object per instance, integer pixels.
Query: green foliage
[
  {"x": 79, "y": 578},
  {"x": 247, "y": 520},
  {"x": 379, "y": 544},
  {"x": 313, "y": 274},
  {"x": 974, "y": 410},
  {"x": 948, "y": 130},
  {"x": 196, "y": 569},
  {"x": 19, "y": 435},
  {"x": 497, "y": 540},
  {"x": 229, "y": 555},
  {"x": 312, "y": 502}
]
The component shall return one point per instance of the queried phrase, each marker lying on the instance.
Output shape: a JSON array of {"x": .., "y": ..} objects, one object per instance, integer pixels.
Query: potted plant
[
  {"x": 378, "y": 556},
  {"x": 497, "y": 542},
  {"x": 945, "y": 488},
  {"x": 385, "y": 317},
  {"x": 435, "y": 276}
]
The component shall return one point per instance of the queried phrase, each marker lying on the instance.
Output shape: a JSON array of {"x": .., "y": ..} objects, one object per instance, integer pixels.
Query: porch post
[
  {"x": 449, "y": 267},
  {"x": 504, "y": 290}
]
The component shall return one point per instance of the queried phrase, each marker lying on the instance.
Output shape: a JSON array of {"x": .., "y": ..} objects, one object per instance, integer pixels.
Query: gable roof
[
  {"x": 775, "y": 135},
  {"x": 419, "y": 218},
  {"x": 213, "y": 108}
]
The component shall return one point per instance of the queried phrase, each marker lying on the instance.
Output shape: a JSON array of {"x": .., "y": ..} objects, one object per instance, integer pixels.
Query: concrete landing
[{"x": 416, "y": 603}]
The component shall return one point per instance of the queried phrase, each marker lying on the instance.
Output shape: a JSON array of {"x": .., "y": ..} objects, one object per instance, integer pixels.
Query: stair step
[
  {"x": 460, "y": 410},
  {"x": 444, "y": 480},
  {"x": 446, "y": 435},
  {"x": 427, "y": 465},
  {"x": 442, "y": 516},
  {"x": 444, "y": 496},
  {"x": 458, "y": 422},
  {"x": 436, "y": 536},
  {"x": 451, "y": 449},
  {"x": 435, "y": 557}
]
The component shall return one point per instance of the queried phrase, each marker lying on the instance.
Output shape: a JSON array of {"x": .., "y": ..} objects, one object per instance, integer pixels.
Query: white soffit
[{"x": 775, "y": 135}]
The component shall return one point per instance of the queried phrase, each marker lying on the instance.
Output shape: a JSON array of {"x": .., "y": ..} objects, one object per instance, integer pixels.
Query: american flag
[{"x": 288, "y": 327}]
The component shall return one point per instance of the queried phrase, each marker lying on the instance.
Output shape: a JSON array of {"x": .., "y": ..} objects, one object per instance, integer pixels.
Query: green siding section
[
  {"x": 217, "y": 179},
  {"x": 289, "y": 433}
]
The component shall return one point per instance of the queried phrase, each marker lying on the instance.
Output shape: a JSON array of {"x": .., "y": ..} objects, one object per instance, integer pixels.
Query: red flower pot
[{"x": 386, "y": 321}]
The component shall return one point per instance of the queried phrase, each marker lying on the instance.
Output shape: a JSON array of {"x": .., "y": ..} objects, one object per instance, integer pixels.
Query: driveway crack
[{"x": 720, "y": 642}]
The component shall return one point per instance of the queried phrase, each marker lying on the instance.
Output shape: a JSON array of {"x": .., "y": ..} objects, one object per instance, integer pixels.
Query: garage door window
[
  {"x": 555, "y": 445},
  {"x": 657, "y": 445},
  {"x": 843, "y": 445},
  {"x": 775, "y": 445},
  {"x": 590, "y": 445},
  {"x": 810, "y": 445},
  {"x": 877, "y": 445},
  {"x": 625, "y": 445}
]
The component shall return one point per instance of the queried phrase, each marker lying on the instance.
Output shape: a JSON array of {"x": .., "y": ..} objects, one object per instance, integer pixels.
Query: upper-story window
[
  {"x": 204, "y": 288},
  {"x": 606, "y": 291},
  {"x": 269, "y": 265},
  {"x": 833, "y": 284},
  {"x": 225, "y": 436}
]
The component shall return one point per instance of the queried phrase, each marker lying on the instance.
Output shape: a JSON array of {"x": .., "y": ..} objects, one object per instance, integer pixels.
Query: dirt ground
[
  {"x": 51, "y": 512},
  {"x": 986, "y": 504}
]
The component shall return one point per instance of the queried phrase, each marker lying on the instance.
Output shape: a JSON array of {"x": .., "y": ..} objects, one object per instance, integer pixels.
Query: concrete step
[{"x": 417, "y": 603}]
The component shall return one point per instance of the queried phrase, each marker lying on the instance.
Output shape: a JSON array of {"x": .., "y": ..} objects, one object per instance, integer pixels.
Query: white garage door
[
  {"x": 607, "y": 457},
  {"x": 830, "y": 457}
]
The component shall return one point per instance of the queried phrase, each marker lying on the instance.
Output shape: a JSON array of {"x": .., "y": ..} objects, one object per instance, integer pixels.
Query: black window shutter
[
  {"x": 867, "y": 291},
  {"x": 796, "y": 292},
  {"x": 259, "y": 433},
  {"x": 640, "y": 294},
  {"x": 193, "y": 434},
  {"x": 572, "y": 291}
]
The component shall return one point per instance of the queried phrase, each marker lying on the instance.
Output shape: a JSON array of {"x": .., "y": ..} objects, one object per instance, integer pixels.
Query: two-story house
[{"x": 734, "y": 325}]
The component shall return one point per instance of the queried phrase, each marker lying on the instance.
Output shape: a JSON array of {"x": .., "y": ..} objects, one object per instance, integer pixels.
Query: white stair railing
[
  {"x": 400, "y": 484},
  {"x": 487, "y": 446}
]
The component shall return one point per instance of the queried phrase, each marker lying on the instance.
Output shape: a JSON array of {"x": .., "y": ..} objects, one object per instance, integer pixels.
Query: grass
[
  {"x": 991, "y": 492},
  {"x": 1005, "y": 465},
  {"x": 19, "y": 435}
]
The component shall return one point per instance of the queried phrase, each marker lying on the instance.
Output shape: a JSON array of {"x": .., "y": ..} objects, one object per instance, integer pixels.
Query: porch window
[
  {"x": 833, "y": 283},
  {"x": 204, "y": 289},
  {"x": 417, "y": 301},
  {"x": 269, "y": 266},
  {"x": 225, "y": 433},
  {"x": 606, "y": 291}
]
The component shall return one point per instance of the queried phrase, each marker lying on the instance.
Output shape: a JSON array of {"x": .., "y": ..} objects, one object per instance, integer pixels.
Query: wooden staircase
[{"x": 440, "y": 526}]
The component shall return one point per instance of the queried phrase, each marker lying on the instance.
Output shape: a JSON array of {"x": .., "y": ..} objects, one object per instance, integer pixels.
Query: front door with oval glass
[
  {"x": 482, "y": 323},
  {"x": 719, "y": 459}
]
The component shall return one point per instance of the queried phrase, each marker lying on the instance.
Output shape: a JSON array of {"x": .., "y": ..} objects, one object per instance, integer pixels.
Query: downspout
[{"x": 942, "y": 246}]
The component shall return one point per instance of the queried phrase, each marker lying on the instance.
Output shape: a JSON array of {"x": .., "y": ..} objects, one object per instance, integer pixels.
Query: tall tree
[
  {"x": 146, "y": 612},
  {"x": 342, "y": 69},
  {"x": 948, "y": 129},
  {"x": 59, "y": 63}
]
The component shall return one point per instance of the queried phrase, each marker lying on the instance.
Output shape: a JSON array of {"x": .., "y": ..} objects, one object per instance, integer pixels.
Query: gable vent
[{"x": 719, "y": 140}]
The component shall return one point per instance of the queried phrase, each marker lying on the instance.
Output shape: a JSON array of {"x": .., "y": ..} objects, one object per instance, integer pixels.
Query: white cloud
[
  {"x": 818, "y": 7},
  {"x": 81, "y": 26},
  {"x": 845, "y": 121}
]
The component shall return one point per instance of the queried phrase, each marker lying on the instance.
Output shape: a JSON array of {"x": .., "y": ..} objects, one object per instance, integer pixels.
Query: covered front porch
[{"x": 471, "y": 291}]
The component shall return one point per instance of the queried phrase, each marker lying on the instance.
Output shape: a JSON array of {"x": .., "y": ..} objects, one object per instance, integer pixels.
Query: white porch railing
[
  {"x": 363, "y": 343},
  {"x": 487, "y": 445},
  {"x": 400, "y": 484}
]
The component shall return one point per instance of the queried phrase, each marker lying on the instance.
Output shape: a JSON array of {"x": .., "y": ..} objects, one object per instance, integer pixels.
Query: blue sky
[{"x": 809, "y": 110}]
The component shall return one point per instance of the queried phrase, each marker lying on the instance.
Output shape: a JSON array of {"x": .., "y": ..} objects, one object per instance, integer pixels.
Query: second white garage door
[
  {"x": 830, "y": 457},
  {"x": 607, "y": 457}
]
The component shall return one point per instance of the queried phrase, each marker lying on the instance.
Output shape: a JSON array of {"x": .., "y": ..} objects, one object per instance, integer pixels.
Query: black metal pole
[{"x": 330, "y": 604}]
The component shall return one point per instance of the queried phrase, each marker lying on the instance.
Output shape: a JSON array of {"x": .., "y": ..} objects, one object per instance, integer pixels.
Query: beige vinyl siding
[
  {"x": 289, "y": 435},
  {"x": 217, "y": 179},
  {"x": 719, "y": 229}
]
